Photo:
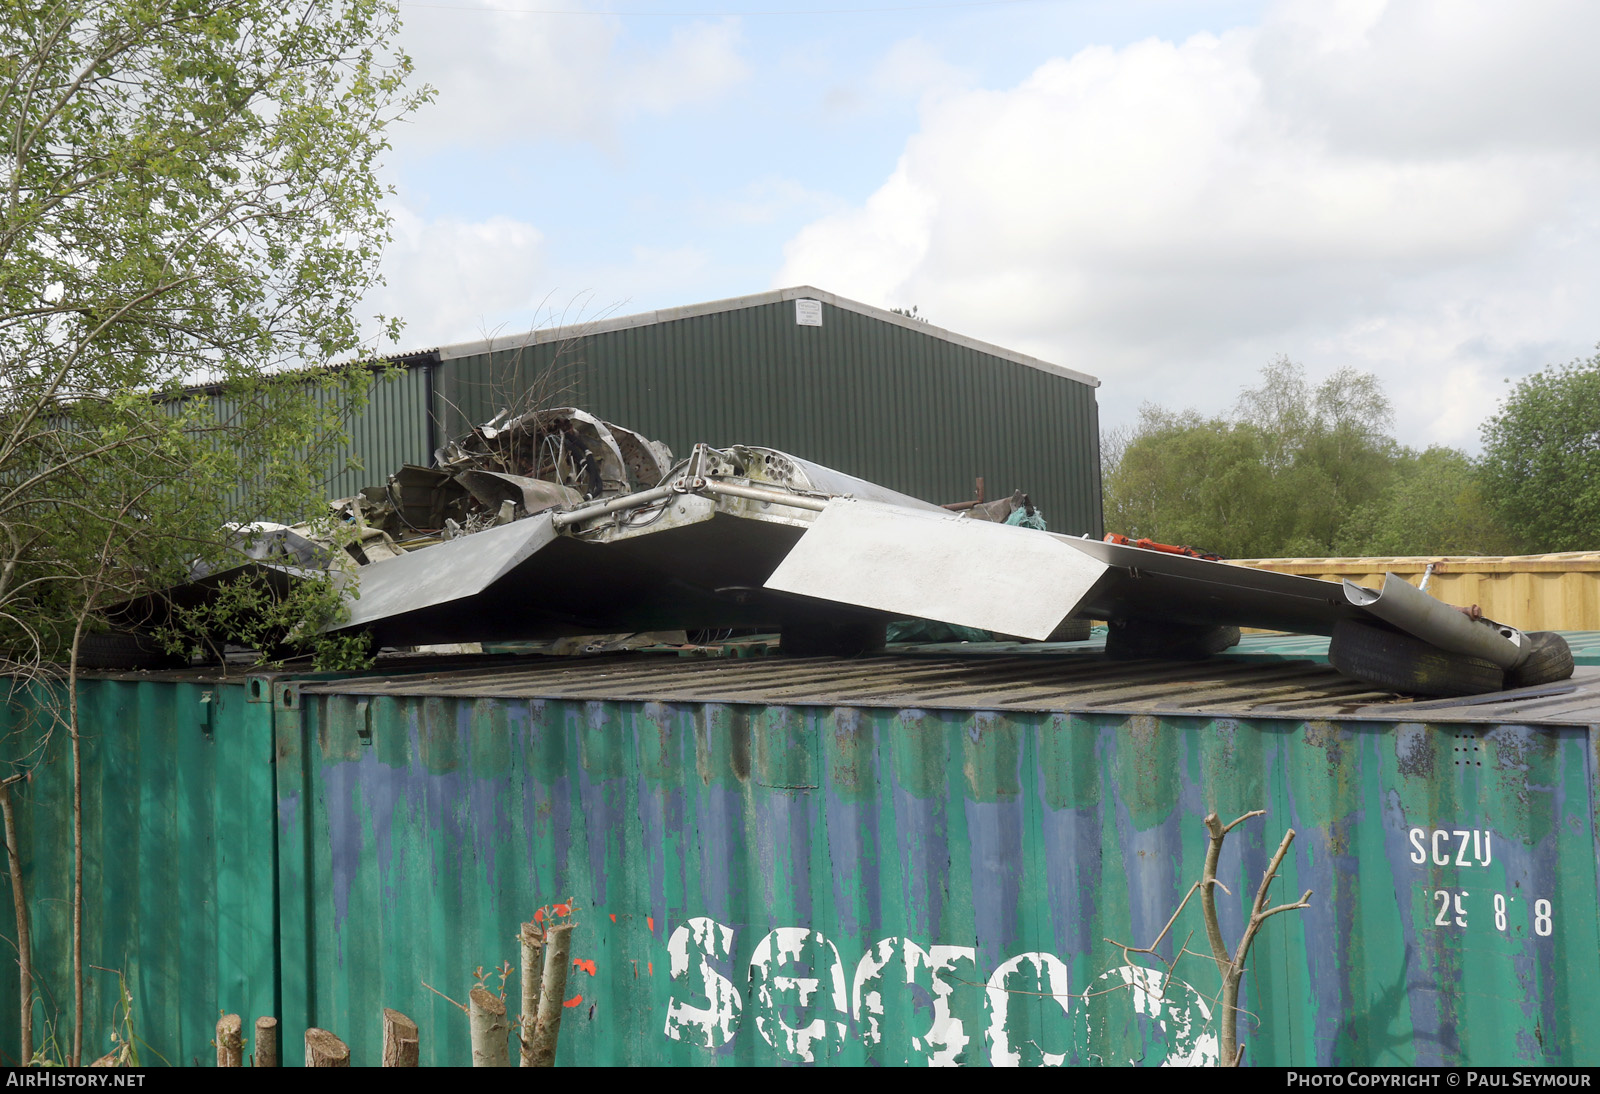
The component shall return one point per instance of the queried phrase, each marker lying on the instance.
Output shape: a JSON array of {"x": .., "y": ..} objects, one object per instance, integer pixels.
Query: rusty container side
[{"x": 767, "y": 884}]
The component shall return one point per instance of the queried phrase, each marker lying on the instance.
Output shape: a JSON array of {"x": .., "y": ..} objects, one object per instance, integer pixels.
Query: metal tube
[
  {"x": 774, "y": 497},
  {"x": 687, "y": 486},
  {"x": 627, "y": 501},
  {"x": 1403, "y": 605}
]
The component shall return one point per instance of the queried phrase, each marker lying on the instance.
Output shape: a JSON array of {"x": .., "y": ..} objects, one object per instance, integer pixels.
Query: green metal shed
[{"x": 866, "y": 391}]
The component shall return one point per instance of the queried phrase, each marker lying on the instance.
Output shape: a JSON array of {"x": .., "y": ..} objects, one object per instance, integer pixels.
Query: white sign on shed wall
[{"x": 808, "y": 313}]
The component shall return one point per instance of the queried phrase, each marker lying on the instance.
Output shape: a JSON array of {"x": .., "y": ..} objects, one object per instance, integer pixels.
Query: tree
[
  {"x": 1541, "y": 458},
  {"x": 1433, "y": 506},
  {"x": 188, "y": 194},
  {"x": 1187, "y": 479},
  {"x": 1276, "y": 478}
]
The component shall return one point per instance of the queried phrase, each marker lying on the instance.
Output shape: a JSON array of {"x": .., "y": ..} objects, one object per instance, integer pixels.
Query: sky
[{"x": 1165, "y": 195}]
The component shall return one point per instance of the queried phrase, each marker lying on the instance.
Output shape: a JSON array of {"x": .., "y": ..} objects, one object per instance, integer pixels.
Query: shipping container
[
  {"x": 1553, "y": 592},
  {"x": 903, "y": 859}
]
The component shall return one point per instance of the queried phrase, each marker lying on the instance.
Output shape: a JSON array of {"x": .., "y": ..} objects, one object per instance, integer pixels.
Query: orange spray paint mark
[
  {"x": 613, "y": 917},
  {"x": 586, "y": 966},
  {"x": 650, "y": 967},
  {"x": 650, "y": 921},
  {"x": 574, "y": 1001}
]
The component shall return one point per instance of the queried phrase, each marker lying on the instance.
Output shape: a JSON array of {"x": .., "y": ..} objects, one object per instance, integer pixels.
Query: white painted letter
[
  {"x": 1050, "y": 979},
  {"x": 946, "y": 1036},
  {"x": 797, "y": 945},
  {"x": 711, "y": 1025}
]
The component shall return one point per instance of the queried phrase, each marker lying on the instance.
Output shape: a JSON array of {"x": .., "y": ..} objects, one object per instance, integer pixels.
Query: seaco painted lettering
[{"x": 803, "y": 999}]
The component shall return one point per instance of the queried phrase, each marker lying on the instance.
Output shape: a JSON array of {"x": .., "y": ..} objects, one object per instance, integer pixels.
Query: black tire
[
  {"x": 831, "y": 639},
  {"x": 124, "y": 650},
  {"x": 1138, "y": 639},
  {"x": 1406, "y": 664},
  {"x": 1549, "y": 662}
]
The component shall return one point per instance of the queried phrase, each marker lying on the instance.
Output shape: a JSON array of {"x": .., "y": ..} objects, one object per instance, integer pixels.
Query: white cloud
[
  {"x": 1409, "y": 187},
  {"x": 765, "y": 200},
  {"x": 504, "y": 77},
  {"x": 454, "y": 280}
]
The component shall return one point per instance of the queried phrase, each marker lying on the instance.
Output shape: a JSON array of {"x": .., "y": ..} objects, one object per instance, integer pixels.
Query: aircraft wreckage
[{"x": 555, "y": 523}]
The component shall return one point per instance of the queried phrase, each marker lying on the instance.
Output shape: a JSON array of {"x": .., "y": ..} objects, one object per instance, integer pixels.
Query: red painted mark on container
[
  {"x": 576, "y": 1000},
  {"x": 650, "y": 921},
  {"x": 613, "y": 917},
  {"x": 586, "y": 966},
  {"x": 650, "y": 967}
]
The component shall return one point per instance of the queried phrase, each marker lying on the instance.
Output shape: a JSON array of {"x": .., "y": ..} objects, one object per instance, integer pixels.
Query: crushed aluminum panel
[
  {"x": 446, "y": 572},
  {"x": 933, "y": 566},
  {"x": 694, "y": 567},
  {"x": 825, "y": 480},
  {"x": 494, "y": 488}
]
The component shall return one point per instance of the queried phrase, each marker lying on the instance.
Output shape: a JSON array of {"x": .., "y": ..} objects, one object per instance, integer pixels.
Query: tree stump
[
  {"x": 557, "y": 951},
  {"x": 532, "y": 939},
  {"x": 266, "y": 1054},
  {"x": 230, "y": 1041},
  {"x": 323, "y": 1049},
  {"x": 401, "y": 1045},
  {"x": 490, "y": 1047}
]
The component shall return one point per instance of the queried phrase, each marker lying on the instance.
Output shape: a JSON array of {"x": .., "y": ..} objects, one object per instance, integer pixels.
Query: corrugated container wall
[
  {"x": 1558, "y": 592},
  {"x": 916, "y": 412},
  {"x": 885, "y": 860}
]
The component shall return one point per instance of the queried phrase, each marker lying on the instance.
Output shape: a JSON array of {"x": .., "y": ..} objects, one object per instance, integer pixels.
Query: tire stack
[{"x": 1395, "y": 661}]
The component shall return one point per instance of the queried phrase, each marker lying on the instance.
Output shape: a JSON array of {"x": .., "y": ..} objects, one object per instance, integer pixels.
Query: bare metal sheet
[
  {"x": 938, "y": 566},
  {"x": 447, "y": 571}
]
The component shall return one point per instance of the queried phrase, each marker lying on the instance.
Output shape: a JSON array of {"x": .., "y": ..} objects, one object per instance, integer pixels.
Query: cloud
[
  {"x": 506, "y": 77},
  {"x": 1409, "y": 187},
  {"x": 454, "y": 280},
  {"x": 766, "y": 200}
]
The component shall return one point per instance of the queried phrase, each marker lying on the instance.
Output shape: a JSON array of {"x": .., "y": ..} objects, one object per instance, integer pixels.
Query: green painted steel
[
  {"x": 758, "y": 885},
  {"x": 179, "y": 866},
  {"x": 760, "y": 882},
  {"x": 914, "y": 412},
  {"x": 393, "y": 429}
]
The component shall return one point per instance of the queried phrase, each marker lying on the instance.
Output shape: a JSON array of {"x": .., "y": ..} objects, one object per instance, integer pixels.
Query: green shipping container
[{"x": 898, "y": 860}]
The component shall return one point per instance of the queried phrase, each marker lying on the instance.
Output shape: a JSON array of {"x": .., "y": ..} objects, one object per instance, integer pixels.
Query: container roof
[
  {"x": 736, "y": 303},
  {"x": 1003, "y": 677}
]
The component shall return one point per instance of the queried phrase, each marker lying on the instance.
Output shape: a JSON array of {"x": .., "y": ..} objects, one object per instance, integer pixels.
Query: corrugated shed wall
[
  {"x": 916, "y": 413},
  {"x": 392, "y": 430}
]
